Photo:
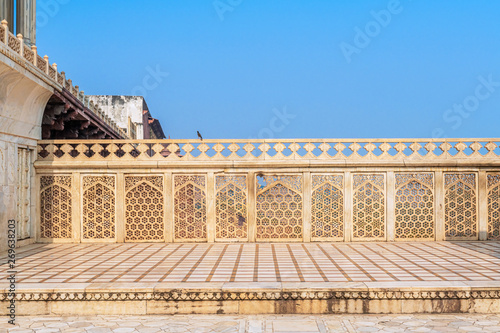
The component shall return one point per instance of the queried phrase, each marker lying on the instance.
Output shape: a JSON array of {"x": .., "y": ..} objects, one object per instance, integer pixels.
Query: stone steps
[{"x": 254, "y": 298}]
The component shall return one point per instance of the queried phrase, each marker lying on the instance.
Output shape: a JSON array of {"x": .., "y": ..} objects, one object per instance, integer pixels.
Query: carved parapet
[
  {"x": 34, "y": 61},
  {"x": 302, "y": 152}
]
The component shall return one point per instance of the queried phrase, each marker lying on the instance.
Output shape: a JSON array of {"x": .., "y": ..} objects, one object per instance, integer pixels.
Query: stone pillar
[
  {"x": 7, "y": 12},
  {"x": 306, "y": 196},
  {"x": 391, "y": 206},
  {"x": 211, "y": 219},
  {"x": 26, "y": 20}
]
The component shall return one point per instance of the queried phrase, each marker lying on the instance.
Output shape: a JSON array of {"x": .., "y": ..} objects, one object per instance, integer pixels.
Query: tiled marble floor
[
  {"x": 313, "y": 262},
  {"x": 257, "y": 324}
]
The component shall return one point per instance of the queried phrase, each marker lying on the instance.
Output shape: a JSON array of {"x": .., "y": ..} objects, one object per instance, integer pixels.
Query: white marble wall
[
  {"x": 8, "y": 182},
  {"x": 23, "y": 98}
]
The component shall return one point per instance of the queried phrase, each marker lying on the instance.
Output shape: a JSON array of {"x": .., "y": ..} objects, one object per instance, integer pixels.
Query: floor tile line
[
  {"x": 22, "y": 254},
  {"x": 444, "y": 259},
  {"x": 143, "y": 275},
  {"x": 414, "y": 263},
  {"x": 373, "y": 262},
  {"x": 470, "y": 261},
  {"x": 392, "y": 262},
  {"x": 295, "y": 263},
  {"x": 108, "y": 269},
  {"x": 427, "y": 260},
  {"x": 212, "y": 272},
  {"x": 236, "y": 264},
  {"x": 276, "y": 266},
  {"x": 55, "y": 264},
  {"x": 139, "y": 262},
  {"x": 256, "y": 264},
  {"x": 171, "y": 269},
  {"x": 454, "y": 263},
  {"x": 193, "y": 268},
  {"x": 337, "y": 266},
  {"x": 320, "y": 271},
  {"x": 353, "y": 262},
  {"x": 22, "y": 263}
]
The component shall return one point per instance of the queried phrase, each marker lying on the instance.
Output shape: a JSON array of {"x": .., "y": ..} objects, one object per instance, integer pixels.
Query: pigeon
[
  {"x": 199, "y": 135},
  {"x": 241, "y": 220}
]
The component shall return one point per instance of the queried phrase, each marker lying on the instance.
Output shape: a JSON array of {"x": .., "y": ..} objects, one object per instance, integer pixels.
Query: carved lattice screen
[
  {"x": 279, "y": 208},
  {"x": 327, "y": 207},
  {"x": 231, "y": 207},
  {"x": 55, "y": 207},
  {"x": 494, "y": 206},
  {"x": 144, "y": 208},
  {"x": 98, "y": 216},
  {"x": 414, "y": 206},
  {"x": 368, "y": 206},
  {"x": 190, "y": 208},
  {"x": 460, "y": 206}
]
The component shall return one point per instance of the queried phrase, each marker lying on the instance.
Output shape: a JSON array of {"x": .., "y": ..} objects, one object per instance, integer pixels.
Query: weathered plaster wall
[
  {"x": 23, "y": 97},
  {"x": 119, "y": 108}
]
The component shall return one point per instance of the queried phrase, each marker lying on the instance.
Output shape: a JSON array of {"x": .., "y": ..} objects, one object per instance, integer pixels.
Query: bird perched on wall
[
  {"x": 199, "y": 136},
  {"x": 241, "y": 220}
]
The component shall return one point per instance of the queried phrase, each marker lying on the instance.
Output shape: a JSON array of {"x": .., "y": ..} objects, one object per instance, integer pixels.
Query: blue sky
[{"x": 288, "y": 68}]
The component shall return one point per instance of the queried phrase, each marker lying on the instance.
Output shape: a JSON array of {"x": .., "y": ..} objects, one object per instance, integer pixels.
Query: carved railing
[
  {"x": 268, "y": 190},
  {"x": 41, "y": 66},
  {"x": 336, "y": 151}
]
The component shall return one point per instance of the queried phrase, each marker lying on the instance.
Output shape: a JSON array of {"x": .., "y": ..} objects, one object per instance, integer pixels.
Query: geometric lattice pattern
[
  {"x": 55, "y": 207},
  {"x": 144, "y": 208},
  {"x": 494, "y": 206},
  {"x": 98, "y": 213},
  {"x": 414, "y": 206},
  {"x": 190, "y": 208},
  {"x": 368, "y": 206},
  {"x": 460, "y": 206},
  {"x": 327, "y": 207},
  {"x": 231, "y": 207},
  {"x": 279, "y": 208}
]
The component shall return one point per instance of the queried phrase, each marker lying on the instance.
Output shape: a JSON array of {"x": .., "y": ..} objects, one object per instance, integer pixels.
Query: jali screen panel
[
  {"x": 327, "y": 207},
  {"x": 144, "y": 208},
  {"x": 460, "y": 206},
  {"x": 231, "y": 207},
  {"x": 98, "y": 209},
  {"x": 414, "y": 206},
  {"x": 190, "y": 208},
  {"x": 494, "y": 206},
  {"x": 368, "y": 207},
  {"x": 55, "y": 207},
  {"x": 279, "y": 207}
]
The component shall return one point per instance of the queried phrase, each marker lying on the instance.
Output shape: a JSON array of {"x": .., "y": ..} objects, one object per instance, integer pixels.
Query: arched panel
[
  {"x": 190, "y": 208},
  {"x": 460, "y": 206},
  {"x": 414, "y": 206},
  {"x": 98, "y": 214},
  {"x": 494, "y": 206},
  {"x": 279, "y": 208},
  {"x": 55, "y": 207},
  {"x": 369, "y": 207},
  {"x": 231, "y": 208},
  {"x": 144, "y": 208},
  {"x": 327, "y": 207}
]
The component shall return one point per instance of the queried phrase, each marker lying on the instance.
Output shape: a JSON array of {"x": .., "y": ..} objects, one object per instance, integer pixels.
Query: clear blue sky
[{"x": 336, "y": 69}]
